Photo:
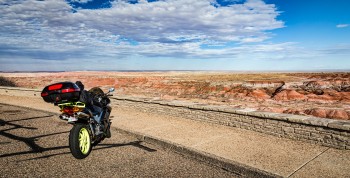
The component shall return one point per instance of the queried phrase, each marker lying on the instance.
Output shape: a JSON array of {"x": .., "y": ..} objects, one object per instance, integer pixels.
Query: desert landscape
[{"x": 325, "y": 95}]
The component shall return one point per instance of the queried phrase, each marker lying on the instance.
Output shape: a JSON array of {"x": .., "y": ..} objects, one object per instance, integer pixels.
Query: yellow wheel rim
[{"x": 84, "y": 140}]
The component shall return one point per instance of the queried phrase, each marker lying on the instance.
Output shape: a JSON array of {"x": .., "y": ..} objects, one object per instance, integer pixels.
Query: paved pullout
[
  {"x": 252, "y": 153},
  {"x": 35, "y": 144}
]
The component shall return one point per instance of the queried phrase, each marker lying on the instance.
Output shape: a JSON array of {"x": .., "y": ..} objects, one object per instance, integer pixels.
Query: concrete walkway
[
  {"x": 250, "y": 150},
  {"x": 245, "y": 152}
]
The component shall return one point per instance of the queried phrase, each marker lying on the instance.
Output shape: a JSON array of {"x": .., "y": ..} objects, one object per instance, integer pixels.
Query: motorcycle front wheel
[{"x": 80, "y": 141}]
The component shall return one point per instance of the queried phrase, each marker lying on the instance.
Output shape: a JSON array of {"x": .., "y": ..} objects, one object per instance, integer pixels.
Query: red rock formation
[
  {"x": 258, "y": 94},
  {"x": 338, "y": 114},
  {"x": 287, "y": 95},
  {"x": 271, "y": 109},
  {"x": 294, "y": 111},
  {"x": 328, "y": 113},
  {"x": 293, "y": 93},
  {"x": 316, "y": 112}
]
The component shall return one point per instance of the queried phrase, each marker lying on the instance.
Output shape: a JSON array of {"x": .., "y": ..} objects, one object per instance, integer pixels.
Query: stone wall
[{"x": 327, "y": 132}]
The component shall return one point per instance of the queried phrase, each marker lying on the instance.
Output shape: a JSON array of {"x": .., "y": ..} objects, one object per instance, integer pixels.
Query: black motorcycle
[{"x": 82, "y": 136}]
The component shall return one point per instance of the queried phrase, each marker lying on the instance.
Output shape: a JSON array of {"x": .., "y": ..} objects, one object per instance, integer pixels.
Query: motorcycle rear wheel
[{"x": 80, "y": 141}]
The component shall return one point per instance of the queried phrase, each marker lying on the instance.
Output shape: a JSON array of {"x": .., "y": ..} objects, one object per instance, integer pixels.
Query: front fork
[{"x": 92, "y": 122}]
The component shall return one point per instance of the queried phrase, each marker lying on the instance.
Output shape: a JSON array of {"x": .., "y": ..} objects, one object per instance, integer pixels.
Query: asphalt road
[{"x": 35, "y": 144}]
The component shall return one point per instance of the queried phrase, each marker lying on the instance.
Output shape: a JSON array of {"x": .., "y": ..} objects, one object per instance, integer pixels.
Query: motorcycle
[{"x": 82, "y": 136}]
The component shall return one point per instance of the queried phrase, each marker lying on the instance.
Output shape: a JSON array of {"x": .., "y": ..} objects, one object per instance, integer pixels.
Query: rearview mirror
[{"x": 111, "y": 90}]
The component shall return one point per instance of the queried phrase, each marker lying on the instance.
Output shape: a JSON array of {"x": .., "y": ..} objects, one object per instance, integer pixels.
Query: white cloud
[
  {"x": 81, "y": 1},
  {"x": 161, "y": 28},
  {"x": 342, "y": 25}
]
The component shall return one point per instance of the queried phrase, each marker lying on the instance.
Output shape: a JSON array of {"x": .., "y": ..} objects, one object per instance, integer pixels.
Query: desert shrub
[{"x": 6, "y": 82}]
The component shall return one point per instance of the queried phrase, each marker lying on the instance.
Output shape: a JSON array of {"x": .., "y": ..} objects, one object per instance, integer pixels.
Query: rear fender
[{"x": 81, "y": 121}]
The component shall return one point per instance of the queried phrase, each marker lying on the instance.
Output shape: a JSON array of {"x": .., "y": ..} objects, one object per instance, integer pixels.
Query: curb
[{"x": 211, "y": 159}]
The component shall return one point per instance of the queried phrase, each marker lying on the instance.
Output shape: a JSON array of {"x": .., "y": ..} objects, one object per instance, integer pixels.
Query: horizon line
[{"x": 53, "y": 71}]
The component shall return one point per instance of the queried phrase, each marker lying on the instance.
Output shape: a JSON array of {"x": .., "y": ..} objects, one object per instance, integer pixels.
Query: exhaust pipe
[{"x": 63, "y": 117}]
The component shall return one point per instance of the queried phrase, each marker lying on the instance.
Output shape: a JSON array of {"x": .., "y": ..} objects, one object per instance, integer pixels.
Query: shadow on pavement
[
  {"x": 135, "y": 144},
  {"x": 35, "y": 148},
  {"x": 11, "y": 125},
  {"x": 99, "y": 147},
  {"x": 30, "y": 118},
  {"x": 29, "y": 141}
]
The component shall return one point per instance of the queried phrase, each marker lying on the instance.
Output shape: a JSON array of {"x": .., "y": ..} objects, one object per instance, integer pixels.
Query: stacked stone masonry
[{"x": 327, "y": 132}]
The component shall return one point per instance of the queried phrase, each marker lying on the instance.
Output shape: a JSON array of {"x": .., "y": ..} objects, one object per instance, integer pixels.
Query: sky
[{"x": 230, "y": 35}]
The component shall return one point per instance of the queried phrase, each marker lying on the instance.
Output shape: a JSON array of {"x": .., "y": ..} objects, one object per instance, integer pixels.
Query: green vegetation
[{"x": 6, "y": 82}]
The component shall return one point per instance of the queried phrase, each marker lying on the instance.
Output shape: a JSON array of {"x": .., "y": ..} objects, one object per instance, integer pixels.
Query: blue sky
[{"x": 237, "y": 35}]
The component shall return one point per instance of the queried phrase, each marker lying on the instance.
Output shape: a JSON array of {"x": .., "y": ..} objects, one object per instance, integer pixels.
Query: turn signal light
[
  {"x": 71, "y": 110},
  {"x": 76, "y": 109},
  {"x": 68, "y": 110}
]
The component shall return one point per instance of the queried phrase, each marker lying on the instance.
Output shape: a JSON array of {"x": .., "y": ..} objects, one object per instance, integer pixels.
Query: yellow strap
[{"x": 73, "y": 104}]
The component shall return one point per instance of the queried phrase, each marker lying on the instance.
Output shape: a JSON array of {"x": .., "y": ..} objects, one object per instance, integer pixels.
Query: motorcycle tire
[{"x": 80, "y": 141}]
